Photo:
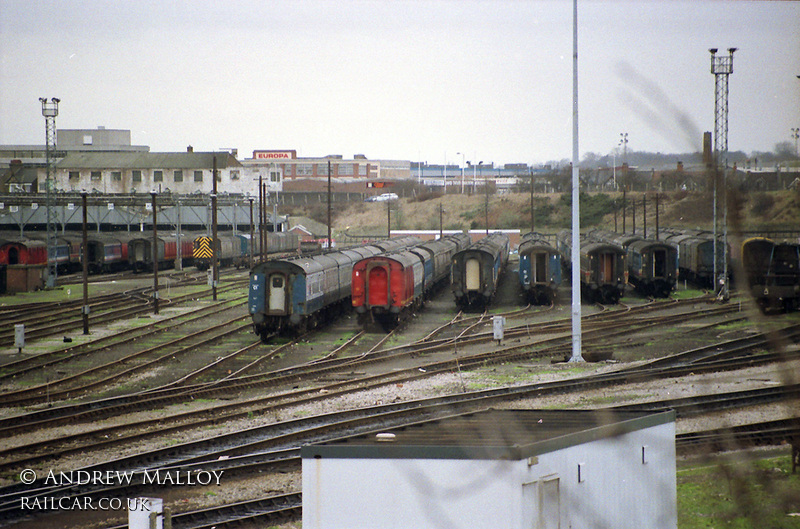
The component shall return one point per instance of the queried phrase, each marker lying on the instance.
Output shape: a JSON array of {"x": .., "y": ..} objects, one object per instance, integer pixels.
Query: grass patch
[
  {"x": 740, "y": 494},
  {"x": 735, "y": 325}
]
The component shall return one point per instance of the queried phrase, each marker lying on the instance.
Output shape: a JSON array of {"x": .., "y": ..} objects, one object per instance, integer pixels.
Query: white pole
[{"x": 576, "y": 224}]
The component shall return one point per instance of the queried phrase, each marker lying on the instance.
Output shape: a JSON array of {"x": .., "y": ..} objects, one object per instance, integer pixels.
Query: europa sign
[{"x": 273, "y": 155}]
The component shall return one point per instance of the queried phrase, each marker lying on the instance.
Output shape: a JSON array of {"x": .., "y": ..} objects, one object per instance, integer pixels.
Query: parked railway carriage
[
  {"x": 107, "y": 252},
  {"x": 68, "y": 253},
  {"x": 290, "y": 295},
  {"x": 774, "y": 274},
  {"x": 23, "y": 251},
  {"x": 33, "y": 251},
  {"x": 603, "y": 270},
  {"x": 539, "y": 269},
  {"x": 437, "y": 256},
  {"x": 234, "y": 250},
  {"x": 756, "y": 255},
  {"x": 476, "y": 271},
  {"x": 783, "y": 277},
  {"x": 389, "y": 286},
  {"x": 696, "y": 257},
  {"x": 228, "y": 248},
  {"x": 386, "y": 284},
  {"x": 140, "y": 252},
  {"x": 652, "y": 267}
]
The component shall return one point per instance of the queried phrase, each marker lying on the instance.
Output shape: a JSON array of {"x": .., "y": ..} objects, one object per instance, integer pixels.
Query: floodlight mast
[
  {"x": 721, "y": 67},
  {"x": 50, "y": 111}
]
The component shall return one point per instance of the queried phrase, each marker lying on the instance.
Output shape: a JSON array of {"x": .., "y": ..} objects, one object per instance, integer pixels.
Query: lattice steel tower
[
  {"x": 50, "y": 111},
  {"x": 721, "y": 67}
]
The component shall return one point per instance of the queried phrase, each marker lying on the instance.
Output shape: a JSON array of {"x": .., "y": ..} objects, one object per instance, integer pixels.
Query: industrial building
[{"x": 513, "y": 469}]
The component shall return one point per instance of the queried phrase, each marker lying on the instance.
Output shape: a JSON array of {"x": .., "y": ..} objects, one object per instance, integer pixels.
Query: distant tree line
[{"x": 783, "y": 152}]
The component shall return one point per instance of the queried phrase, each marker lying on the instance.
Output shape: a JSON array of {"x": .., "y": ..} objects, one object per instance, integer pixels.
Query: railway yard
[{"x": 209, "y": 418}]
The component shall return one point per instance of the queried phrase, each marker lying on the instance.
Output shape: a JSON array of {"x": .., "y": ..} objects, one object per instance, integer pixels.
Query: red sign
[{"x": 274, "y": 155}]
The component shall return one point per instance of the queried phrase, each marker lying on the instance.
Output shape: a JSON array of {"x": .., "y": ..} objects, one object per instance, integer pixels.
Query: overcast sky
[{"x": 415, "y": 80}]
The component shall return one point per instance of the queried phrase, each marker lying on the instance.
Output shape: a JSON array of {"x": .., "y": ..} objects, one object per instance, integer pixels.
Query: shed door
[
  {"x": 277, "y": 293},
  {"x": 378, "y": 287},
  {"x": 541, "y": 504},
  {"x": 550, "y": 504},
  {"x": 473, "y": 270}
]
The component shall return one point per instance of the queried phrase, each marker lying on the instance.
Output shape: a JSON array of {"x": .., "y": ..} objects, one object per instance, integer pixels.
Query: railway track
[
  {"x": 274, "y": 451},
  {"x": 57, "y": 318},
  {"x": 344, "y": 361},
  {"x": 553, "y": 345},
  {"x": 740, "y": 352}
]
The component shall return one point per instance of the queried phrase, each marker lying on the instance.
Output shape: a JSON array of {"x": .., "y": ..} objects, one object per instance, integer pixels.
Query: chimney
[
  {"x": 189, "y": 149},
  {"x": 708, "y": 155}
]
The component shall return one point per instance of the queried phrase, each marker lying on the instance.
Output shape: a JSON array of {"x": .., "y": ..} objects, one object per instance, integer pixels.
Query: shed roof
[
  {"x": 147, "y": 160},
  {"x": 491, "y": 434}
]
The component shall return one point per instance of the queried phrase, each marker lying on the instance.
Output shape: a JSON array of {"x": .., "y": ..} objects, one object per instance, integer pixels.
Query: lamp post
[
  {"x": 575, "y": 250},
  {"x": 154, "y": 253},
  {"x": 795, "y": 135},
  {"x": 614, "y": 169},
  {"x": 252, "y": 239},
  {"x": 214, "y": 239},
  {"x": 85, "y": 263}
]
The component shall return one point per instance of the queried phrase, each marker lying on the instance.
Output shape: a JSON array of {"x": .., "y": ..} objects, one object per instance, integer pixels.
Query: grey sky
[{"x": 405, "y": 80}]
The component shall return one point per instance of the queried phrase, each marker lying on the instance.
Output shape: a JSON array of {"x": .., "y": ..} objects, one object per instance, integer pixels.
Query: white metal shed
[{"x": 512, "y": 469}]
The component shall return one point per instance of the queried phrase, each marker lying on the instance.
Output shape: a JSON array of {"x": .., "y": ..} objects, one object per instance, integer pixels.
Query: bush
[
  {"x": 593, "y": 208},
  {"x": 762, "y": 204},
  {"x": 423, "y": 197}
]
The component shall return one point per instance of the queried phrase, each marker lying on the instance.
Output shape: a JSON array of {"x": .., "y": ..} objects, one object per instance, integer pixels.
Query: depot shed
[{"x": 499, "y": 469}]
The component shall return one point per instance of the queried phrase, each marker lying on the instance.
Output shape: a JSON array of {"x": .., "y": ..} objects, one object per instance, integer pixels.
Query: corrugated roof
[
  {"x": 147, "y": 160},
  {"x": 317, "y": 229},
  {"x": 491, "y": 434}
]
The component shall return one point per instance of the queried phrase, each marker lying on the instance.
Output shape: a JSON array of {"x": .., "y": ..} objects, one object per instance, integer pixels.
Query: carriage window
[{"x": 277, "y": 282}]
